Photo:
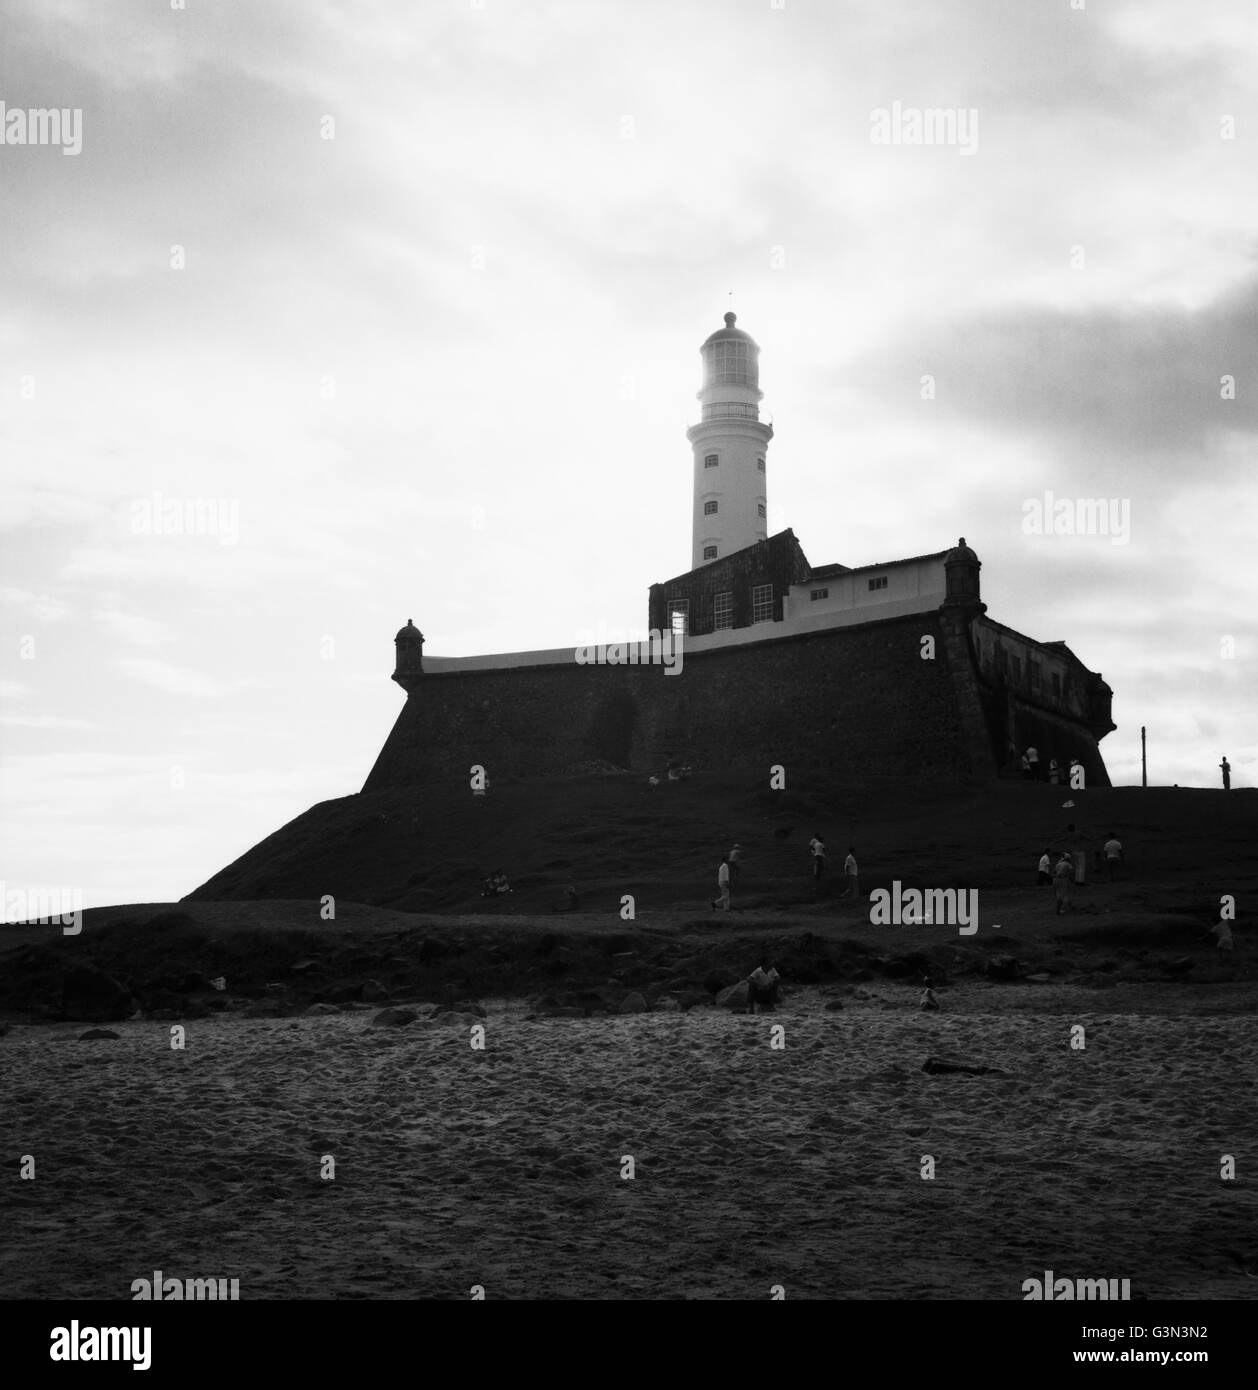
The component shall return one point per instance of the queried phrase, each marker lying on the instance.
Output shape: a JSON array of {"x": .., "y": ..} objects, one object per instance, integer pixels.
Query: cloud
[
  {"x": 134, "y": 628},
  {"x": 43, "y": 608},
  {"x": 43, "y": 721},
  {"x": 1141, "y": 381},
  {"x": 174, "y": 680}
]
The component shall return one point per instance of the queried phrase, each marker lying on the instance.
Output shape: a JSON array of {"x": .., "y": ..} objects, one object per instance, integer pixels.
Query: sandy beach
[{"x": 754, "y": 1166}]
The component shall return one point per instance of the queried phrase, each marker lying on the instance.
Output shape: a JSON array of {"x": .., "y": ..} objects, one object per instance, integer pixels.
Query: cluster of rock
[{"x": 462, "y": 1015}]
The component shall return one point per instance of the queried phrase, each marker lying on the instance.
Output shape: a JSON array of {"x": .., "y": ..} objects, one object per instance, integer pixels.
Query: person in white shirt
[
  {"x": 1033, "y": 758},
  {"x": 722, "y": 886},
  {"x": 762, "y": 987},
  {"x": 1046, "y": 869},
  {"x": 818, "y": 847},
  {"x": 853, "y": 875},
  {"x": 1113, "y": 855}
]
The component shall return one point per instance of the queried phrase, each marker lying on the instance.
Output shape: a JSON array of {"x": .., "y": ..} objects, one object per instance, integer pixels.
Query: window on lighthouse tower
[
  {"x": 729, "y": 363},
  {"x": 709, "y": 508}
]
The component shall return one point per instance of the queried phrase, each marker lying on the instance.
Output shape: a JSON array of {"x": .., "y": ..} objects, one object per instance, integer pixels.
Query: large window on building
[
  {"x": 879, "y": 583},
  {"x": 709, "y": 552},
  {"x": 711, "y": 460},
  {"x": 679, "y": 615},
  {"x": 818, "y": 593},
  {"x": 762, "y": 603},
  {"x": 730, "y": 364},
  {"x": 722, "y": 610},
  {"x": 709, "y": 508}
]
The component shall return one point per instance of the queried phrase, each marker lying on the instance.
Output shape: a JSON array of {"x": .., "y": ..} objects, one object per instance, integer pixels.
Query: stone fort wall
[{"x": 859, "y": 700}]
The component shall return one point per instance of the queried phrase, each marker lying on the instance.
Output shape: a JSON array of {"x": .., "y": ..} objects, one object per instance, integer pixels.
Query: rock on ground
[
  {"x": 464, "y": 1006},
  {"x": 938, "y": 1065},
  {"x": 395, "y": 1017},
  {"x": 736, "y": 996}
]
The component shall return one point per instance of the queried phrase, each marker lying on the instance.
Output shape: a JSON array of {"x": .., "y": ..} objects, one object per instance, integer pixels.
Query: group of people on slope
[
  {"x": 1057, "y": 774},
  {"x": 731, "y": 866},
  {"x": 850, "y": 869},
  {"x": 1071, "y": 864}
]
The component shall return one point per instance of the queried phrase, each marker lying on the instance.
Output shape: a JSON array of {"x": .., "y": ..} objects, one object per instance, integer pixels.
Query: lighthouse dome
[
  {"x": 729, "y": 332},
  {"x": 409, "y": 634}
]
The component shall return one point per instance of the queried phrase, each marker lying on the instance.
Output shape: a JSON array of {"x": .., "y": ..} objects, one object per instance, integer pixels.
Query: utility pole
[{"x": 1144, "y": 765}]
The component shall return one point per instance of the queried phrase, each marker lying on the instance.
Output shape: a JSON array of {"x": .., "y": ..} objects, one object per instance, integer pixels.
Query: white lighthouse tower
[{"x": 730, "y": 447}]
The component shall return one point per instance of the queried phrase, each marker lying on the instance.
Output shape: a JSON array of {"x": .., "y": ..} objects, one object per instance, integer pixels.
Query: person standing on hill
[
  {"x": 1033, "y": 758},
  {"x": 1113, "y": 855},
  {"x": 1062, "y": 876},
  {"x": 735, "y": 862},
  {"x": 1226, "y": 768},
  {"x": 1078, "y": 852},
  {"x": 852, "y": 874},
  {"x": 818, "y": 847},
  {"x": 1046, "y": 869},
  {"x": 722, "y": 886}
]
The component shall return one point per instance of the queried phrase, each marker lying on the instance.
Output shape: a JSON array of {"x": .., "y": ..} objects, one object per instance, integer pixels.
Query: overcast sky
[{"x": 440, "y": 364}]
